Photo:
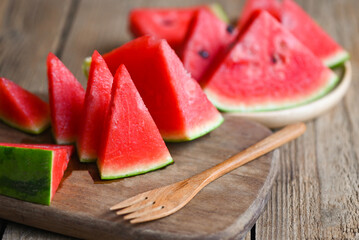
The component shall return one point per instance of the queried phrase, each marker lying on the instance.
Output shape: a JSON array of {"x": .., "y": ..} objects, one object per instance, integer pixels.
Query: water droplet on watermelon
[{"x": 204, "y": 54}]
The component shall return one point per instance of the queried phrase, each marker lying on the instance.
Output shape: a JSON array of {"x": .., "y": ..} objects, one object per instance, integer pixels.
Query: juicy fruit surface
[
  {"x": 22, "y": 109},
  {"x": 131, "y": 143},
  {"x": 268, "y": 69},
  {"x": 300, "y": 24},
  {"x": 168, "y": 23},
  {"x": 66, "y": 100},
  {"x": 208, "y": 37},
  {"x": 176, "y": 102},
  {"x": 97, "y": 99},
  {"x": 32, "y": 172}
]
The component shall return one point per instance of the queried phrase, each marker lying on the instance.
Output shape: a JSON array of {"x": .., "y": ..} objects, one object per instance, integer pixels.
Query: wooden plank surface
[{"x": 316, "y": 193}]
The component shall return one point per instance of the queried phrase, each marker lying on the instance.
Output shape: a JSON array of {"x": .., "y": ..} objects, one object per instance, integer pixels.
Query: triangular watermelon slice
[
  {"x": 21, "y": 109},
  {"x": 300, "y": 24},
  {"x": 268, "y": 69},
  {"x": 176, "y": 102},
  {"x": 32, "y": 172},
  {"x": 207, "y": 38},
  {"x": 131, "y": 143},
  {"x": 168, "y": 23},
  {"x": 66, "y": 96},
  {"x": 97, "y": 99}
]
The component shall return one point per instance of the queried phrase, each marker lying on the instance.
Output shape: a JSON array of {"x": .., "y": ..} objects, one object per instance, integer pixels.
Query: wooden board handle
[{"x": 262, "y": 147}]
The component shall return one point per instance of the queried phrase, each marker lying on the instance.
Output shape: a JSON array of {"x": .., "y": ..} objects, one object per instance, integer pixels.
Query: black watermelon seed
[
  {"x": 203, "y": 54},
  {"x": 274, "y": 59},
  {"x": 230, "y": 29}
]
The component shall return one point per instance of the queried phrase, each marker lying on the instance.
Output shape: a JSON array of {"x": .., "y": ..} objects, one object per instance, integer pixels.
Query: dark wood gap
[
  {"x": 3, "y": 224},
  {"x": 253, "y": 232},
  {"x": 67, "y": 27}
]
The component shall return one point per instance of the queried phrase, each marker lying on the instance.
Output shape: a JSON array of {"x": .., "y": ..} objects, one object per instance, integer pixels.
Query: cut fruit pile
[
  {"x": 272, "y": 61},
  {"x": 149, "y": 90}
]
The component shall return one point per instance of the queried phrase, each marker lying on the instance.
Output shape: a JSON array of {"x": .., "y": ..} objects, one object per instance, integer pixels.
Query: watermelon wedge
[
  {"x": 207, "y": 38},
  {"x": 176, "y": 102},
  {"x": 21, "y": 109},
  {"x": 268, "y": 69},
  {"x": 168, "y": 23},
  {"x": 32, "y": 172},
  {"x": 66, "y": 100},
  {"x": 301, "y": 25},
  {"x": 131, "y": 143},
  {"x": 97, "y": 99}
]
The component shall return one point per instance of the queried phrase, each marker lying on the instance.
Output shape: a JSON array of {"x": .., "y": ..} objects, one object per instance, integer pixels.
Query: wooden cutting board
[{"x": 225, "y": 209}]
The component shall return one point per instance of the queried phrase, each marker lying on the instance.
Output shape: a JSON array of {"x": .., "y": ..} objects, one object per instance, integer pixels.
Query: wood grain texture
[
  {"x": 316, "y": 193},
  {"x": 225, "y": 209}
]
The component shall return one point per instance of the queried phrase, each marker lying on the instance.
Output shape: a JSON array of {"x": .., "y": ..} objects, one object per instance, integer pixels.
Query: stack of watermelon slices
[
  {"x": 115, "y": 127},
  {"x": 265, "y": 67}
]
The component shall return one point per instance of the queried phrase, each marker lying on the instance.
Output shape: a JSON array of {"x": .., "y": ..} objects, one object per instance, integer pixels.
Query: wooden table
[{"x": 316, "y": 195}]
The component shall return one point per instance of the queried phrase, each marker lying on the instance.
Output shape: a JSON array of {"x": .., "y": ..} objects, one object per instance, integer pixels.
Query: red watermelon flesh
[
  {"x": 21, "y": 109},
  {"x": 254, "y": 7},
  {"x": 66, "y": 100},
  {"x": 268, "y": 69},
  {"x": 300, "y": 24},
  {"x": 97, "y": 99},
  {"x": 176, "y": 102},
  {"x": 208, "y": 37},
  {"x": 168, "y": 23},
  {"x": 131, "y": 143},
  {"x": 58, "y": 164}
]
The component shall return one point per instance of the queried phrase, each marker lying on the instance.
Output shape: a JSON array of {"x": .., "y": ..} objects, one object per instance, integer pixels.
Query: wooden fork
[{"x": 163, "y": 201}]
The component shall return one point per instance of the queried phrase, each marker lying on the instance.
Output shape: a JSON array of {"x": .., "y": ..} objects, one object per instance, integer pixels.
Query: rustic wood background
[{"x": 316, "y": 195}]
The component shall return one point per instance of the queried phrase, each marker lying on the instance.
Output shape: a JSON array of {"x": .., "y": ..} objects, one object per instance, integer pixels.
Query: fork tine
[
  {"x": 142, "y": 212},
  {"x": 152, "y": 216},
  {"x": 137, "y": 206},
  {"x": 130, "y": 201}
]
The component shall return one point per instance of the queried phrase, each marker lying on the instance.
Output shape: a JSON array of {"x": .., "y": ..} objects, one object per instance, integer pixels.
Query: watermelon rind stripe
[
  {"x": 194, "y": 133},
  {"x": 213, "y": 97},
  {"x": 137, "y": 170},
  {"x": 25, "y": 181},
  {"x": 36, "y": 130},
  {"x": 337, "y": 59}
]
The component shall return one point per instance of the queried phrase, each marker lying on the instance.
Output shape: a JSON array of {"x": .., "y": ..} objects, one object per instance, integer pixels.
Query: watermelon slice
[
  {"x": 168, "y": 23},
  {"x": 208, "y": 37},
  {"x": 301, "y": 25},
  {"x": 131, "y": 143},
  {"x": 22, "y": 109},
  {"x": 176, "y": 102},
  {"x": 268, "y": 69},
  {"x": 32, "y": 172},
  {"x": 97, "y": 99},
  {"x": 66, "y": 100}
]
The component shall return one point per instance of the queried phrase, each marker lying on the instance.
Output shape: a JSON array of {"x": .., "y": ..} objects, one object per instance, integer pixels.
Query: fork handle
[{"x": 262, "y": 147}]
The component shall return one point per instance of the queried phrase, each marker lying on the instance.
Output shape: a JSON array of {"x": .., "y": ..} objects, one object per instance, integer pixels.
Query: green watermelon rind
[
  {"x": 153, "y": 167},
  {"x": 24, "y": 193},
  {"x": 192, "y": 135},
  {"x": 218, "y": 10},
  {"x": 36, "y": 131},
  {"x": 337, "y": 59},
  {"x": 333, "y": 81}
]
